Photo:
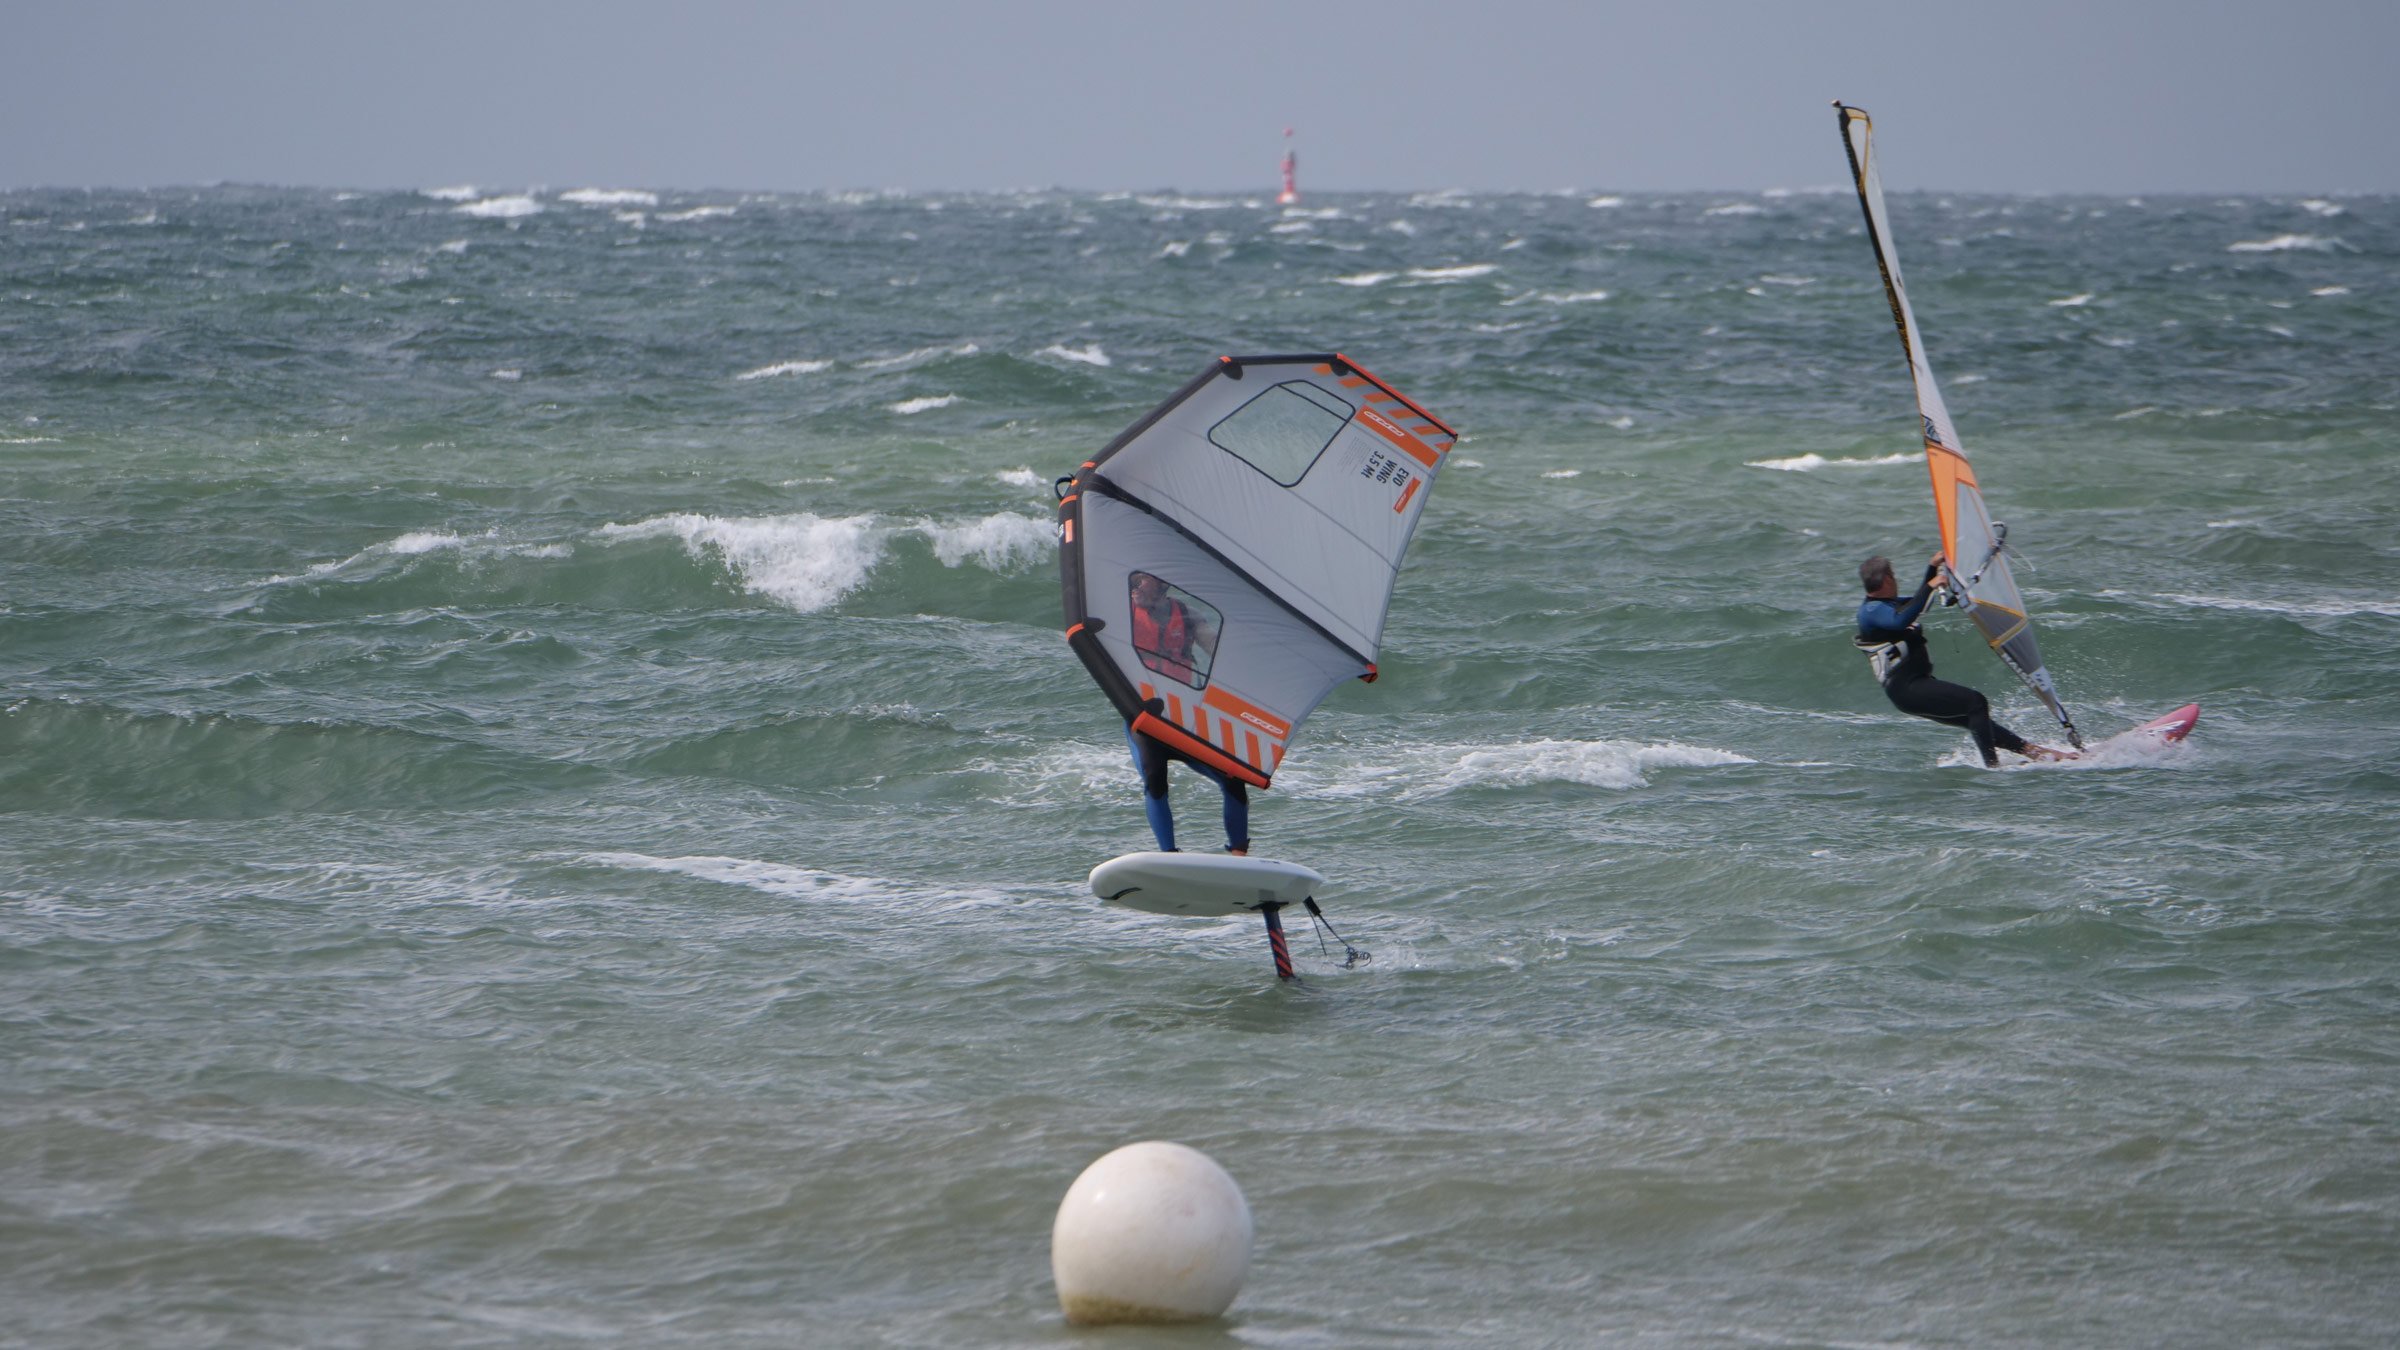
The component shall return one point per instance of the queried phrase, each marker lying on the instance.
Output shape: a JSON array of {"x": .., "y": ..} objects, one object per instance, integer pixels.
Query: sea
[{"x": 544, "y": 802}]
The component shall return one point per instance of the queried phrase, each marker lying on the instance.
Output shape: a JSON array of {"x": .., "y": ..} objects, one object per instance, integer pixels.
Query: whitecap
[
  {"x": 1365, "y": 279},
  {"x": 781, "y": 880},
  {"x": 696, "y": 213},
  {"x": 1606, "y": 764},
  {"x": 2072, "y": 301},
  {"x": 609, "y": 197},
  {"x": 1019, "y": 477},
  {"x": 1562, "y": 473},
  {"x": 1811, "y": 462},
  {"x": 918, "y": 357},
  {"x": 1187, "y": 203},
  {"x": 1603, "y": 203},
  {"x": 452, "y": 246},
  {"x": 2331, "y": 290},
  {"x": 2285, "y": 243},
  {"x": 1736, "y": 209},
  {"x": 429, "y": 541},
  {"x": 501, "y": 208},
  {"x": 1175, "y": 248},
  {"x": 1292, "y": 227},
  {"x": 508, "y": 374},
  {"x": 784, "y": 368},
  {"x": 909, "y": 407},
  {"x": 2320, "y": 609},
  {"x": 803, "y": 561},
  {"x": 419, "y": 543},
  {"x": 1461, "y": 272},
  {"x": 2320, "y": 207},
  {"x": 999, "y": 543},
  {"x": 1090, "y": 356},
  {"x": 462, "y": 193}
]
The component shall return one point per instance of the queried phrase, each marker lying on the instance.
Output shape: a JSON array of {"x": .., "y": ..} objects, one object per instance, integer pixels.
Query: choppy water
[{"x": 542, "y": 800}]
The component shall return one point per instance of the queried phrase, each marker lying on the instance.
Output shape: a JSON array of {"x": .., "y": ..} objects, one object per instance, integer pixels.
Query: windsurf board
[{"x": 2167, "y": 730}]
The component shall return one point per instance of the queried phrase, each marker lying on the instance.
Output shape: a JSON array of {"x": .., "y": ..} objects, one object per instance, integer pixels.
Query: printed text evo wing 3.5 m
[
  {"x": 1972, "y": 544},
  {"x": 1228, "y": 560}
]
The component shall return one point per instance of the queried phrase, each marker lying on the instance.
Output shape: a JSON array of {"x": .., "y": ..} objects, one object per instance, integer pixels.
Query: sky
[{"x": 2108, "y": 96}]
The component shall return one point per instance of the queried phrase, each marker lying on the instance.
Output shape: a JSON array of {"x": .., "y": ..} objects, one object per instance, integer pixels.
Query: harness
[{"x": 1883, "y": 656}]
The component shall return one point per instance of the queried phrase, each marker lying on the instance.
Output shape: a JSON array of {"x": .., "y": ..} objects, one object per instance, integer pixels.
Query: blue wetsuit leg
[
  {"x": 1150, "y": 759},
  {"x": 1237, "y": 807},
  {"x": 1154, "y": 787}
]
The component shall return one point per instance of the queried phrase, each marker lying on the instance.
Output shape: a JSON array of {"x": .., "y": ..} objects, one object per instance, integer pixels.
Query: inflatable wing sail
[
  {"x": 1228, "y": 560},
  {"x": 1974, "y": 546}
]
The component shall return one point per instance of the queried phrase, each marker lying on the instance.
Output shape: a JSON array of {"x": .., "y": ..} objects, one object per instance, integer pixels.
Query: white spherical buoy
[{"x": 1153, "y": 1232}]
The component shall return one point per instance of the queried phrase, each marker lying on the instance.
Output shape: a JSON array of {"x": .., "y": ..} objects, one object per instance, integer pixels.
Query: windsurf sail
[
  {"x": 1229, "y": 559},
  {"x": 1973, "y": 545}
]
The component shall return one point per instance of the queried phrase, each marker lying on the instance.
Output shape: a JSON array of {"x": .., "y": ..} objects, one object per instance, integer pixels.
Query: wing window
[{"x": 1281, "y": 432}]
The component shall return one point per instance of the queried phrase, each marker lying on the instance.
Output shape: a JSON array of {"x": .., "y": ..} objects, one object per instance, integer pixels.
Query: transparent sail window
[
  {"x": 1174, "y": 631},
  {"x": 1282, "y": 431}
]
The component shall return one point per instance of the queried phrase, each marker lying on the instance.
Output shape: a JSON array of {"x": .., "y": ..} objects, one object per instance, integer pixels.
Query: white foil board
[{"x": 1206, "y": 884}]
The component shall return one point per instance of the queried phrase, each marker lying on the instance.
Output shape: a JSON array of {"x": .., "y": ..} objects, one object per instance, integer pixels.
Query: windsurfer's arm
[
  {"x": 1910, "y": 612},
  {"x": 1887, "y": 620}
]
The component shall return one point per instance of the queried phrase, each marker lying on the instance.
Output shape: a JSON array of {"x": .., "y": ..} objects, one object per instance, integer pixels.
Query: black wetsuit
[{"x": 1909, "y": 681}]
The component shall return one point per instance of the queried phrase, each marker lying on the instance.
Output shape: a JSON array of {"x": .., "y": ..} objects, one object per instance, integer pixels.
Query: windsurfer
[
  {"x": 1889, "y": 634},
  {"x": 1172, "y": 640}
]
